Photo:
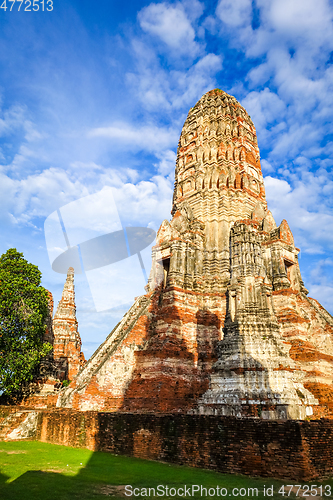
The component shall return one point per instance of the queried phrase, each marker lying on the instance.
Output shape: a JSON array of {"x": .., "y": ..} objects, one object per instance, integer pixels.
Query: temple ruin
[
  {"x": 66, "y": 359},
  {"x": 226, "y": 326}
]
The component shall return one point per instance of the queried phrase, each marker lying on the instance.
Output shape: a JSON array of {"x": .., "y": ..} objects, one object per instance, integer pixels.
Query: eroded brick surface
[
  {"x": 284, "y": 449},
  {"x": 290, "y": 449},
  {"x": 226, "y": 326},
  {"x": 66, "y": 358},
  {"x": 67, "y": 341}
]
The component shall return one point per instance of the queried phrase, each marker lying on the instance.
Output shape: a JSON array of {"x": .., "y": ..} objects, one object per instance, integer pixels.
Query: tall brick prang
[
  {"x": 226, "y": 326},
  {"x": 66, "y": 338}
]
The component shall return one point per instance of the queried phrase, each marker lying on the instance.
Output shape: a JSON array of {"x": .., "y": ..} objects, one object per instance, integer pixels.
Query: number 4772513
[{"x": 27, "y": 5}]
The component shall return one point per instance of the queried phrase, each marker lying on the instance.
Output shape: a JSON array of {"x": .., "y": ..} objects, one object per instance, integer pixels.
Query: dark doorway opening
[{"x": 166, "y": 268}]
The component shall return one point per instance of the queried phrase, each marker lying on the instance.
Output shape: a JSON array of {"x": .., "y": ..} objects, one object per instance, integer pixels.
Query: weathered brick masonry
[
  {"x": 299, "y": 450},
  {"x": 226, "y": 326},
  {"x": 67, "y": 341},
  {"x": 66, "y": 359}
]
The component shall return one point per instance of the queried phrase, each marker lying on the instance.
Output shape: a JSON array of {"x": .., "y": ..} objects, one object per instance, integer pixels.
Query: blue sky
[{"x": 93, "y": 95}]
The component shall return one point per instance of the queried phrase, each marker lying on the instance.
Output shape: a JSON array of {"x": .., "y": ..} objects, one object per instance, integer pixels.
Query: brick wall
[{"x": 299, "y": 450}]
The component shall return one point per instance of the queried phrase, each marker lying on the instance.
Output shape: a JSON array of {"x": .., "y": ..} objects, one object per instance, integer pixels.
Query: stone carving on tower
[{"x": 226, "y": 326}]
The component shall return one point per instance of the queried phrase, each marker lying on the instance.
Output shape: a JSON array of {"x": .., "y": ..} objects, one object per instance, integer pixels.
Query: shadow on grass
[
  {"x": 47, "y": 485},
  {"x": 105, "y": 475},
  {"x": 3, "y": 479}
]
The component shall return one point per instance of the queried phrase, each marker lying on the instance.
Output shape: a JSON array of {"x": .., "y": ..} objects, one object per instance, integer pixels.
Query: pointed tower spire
[
  {"x": 218, "y": 156},
  {"x": 67, "y": 340}
]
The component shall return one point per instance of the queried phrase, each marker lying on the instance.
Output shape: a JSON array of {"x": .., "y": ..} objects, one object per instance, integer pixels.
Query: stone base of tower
[
  {"x": 241, "y": 405},
  {"x": 242, "y": 388},
  {"x": 265, "y": 412}
]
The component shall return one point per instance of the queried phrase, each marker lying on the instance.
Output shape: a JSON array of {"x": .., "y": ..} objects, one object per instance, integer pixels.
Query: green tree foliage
[{"x": 23, "y": 312}]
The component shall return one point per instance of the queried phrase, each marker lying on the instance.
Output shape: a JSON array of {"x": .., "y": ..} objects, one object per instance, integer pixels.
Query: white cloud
[
  {"x": 159, "y": 89},
  {"x": 150, "y": 138},
  {"x": 276, "y": 189},
  {"x": 167, "y": 163},
  {"x": 12, "y": 119},
  {"x": 139, "y": 202},
  {"x": 170, "y": 24},
  {"x": 323, "y": 294},
  {"x": 294, "y": 141},
  {"x": 318, "y": 273},
  {"x": 37, "y": 195},
  {"x": 293, "y": 42},
  {"x": 265, "y": 107},
  {"x": 234, "y": 12},
  {"x": 193, "y": 8},
  {"x": 310, "y": 218},
  {"x": 198, "y": 80},
  {"x": 305, "y": 19},
  {"x": 147, "y": 203},
  {"x": 320, "y": 284},
  {"x": 304, "y": 26},
  {"x": 266, "y": 166},
  {"x": 190, "y": 71}
]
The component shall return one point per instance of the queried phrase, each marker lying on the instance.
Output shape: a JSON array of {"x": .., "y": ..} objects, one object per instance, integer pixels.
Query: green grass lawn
[{"x": 34, "y": 470}]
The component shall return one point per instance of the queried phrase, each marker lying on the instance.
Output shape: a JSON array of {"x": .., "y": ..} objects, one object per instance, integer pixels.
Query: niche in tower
[
  {"x": 166, "y": 268},
  {"x": 288, "y": 265}
]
